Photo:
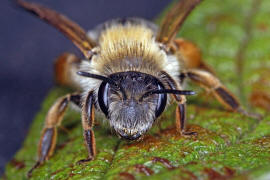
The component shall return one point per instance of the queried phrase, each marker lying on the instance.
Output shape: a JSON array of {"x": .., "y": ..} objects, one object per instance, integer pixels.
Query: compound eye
[
  {"x": 162, "y": 100},
  {"x": 103, "y": 97}
]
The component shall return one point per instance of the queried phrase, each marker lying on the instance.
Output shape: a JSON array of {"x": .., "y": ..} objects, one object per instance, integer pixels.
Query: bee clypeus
[{"x": 130, "y": 68}]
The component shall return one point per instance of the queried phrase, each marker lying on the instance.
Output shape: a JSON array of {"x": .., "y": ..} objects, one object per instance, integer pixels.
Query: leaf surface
[{"x": 234, "y": 37}]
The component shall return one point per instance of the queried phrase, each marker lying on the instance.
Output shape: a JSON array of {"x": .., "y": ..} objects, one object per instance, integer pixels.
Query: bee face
[{"x": 129, "y": 113}]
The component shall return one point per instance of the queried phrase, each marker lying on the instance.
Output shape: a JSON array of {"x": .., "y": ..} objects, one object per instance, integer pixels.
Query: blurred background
[{"x": 28, "y": 48}]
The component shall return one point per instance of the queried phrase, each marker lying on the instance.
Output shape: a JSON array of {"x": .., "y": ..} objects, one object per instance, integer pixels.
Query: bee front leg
[
  {"x": 181, "y": 117},
  {"x": 88, "y": 118},
  {"x": 53, "y": 119},
  {"x": 181, "y": 106}
]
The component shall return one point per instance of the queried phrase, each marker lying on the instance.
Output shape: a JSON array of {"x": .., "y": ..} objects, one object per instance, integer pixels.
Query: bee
[{"x": 131, "y": 71}]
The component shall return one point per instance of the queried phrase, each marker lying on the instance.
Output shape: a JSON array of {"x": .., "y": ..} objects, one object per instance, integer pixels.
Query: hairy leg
[
  {"x": 174, "y": 19},
  {"x": 199, "y": 72},
  {"x": 53, "y": 119},
  {"x": 181, "y": 107},
  {"x": 181, "y": 117},
  {"x": 88, "y": 117},
  {"x": 211, "y": 83}
]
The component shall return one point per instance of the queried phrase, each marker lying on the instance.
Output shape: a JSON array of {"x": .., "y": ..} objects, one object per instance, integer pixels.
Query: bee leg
[
  {"x": 198, "y": 71},
  {"x": 181, "y": 117},
  {"x": 65, "y": 68},
  {"x": 88, "y": 117},
  {"x": 221, "y": 93},
  {"x": 53, "y": 119},
  {"x": 174, "y": 19},
  {"x": 190, "y": 55},
  {"x": 181, "y": 106}
]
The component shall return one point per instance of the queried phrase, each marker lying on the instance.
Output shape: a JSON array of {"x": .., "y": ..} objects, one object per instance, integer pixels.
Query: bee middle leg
[
  {"x": 212, "y": 84},
  {"x": 199, "y": 72},
  {"x": 53, "y": 119}
]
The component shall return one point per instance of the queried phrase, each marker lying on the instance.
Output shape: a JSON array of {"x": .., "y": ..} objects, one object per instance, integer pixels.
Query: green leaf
[{"x": 234, "y": 37}]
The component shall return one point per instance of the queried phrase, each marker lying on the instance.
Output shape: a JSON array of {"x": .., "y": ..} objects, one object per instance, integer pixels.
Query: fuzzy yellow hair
[{"x": 128, "y": 48}]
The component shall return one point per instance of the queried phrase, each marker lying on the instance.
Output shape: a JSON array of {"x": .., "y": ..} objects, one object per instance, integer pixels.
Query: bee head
[
  {"x": 131, "y": 114},
  {"x": 131, "y": 101}
]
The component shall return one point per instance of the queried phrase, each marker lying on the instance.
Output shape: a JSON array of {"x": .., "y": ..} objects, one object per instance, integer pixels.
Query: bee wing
[
  {"x": 174, "y": 19},
  {"x": 70, "y": 29}
]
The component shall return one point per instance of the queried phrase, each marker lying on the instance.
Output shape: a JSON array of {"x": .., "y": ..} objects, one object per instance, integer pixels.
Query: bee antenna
[
  {"x": 96, "y": 76},
  {"x": 167, "y": 91},
  {"x": 103, "y": 78}
]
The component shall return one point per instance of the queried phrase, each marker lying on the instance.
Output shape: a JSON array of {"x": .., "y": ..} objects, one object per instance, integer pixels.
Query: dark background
[{"x": 28, "y": 48}]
